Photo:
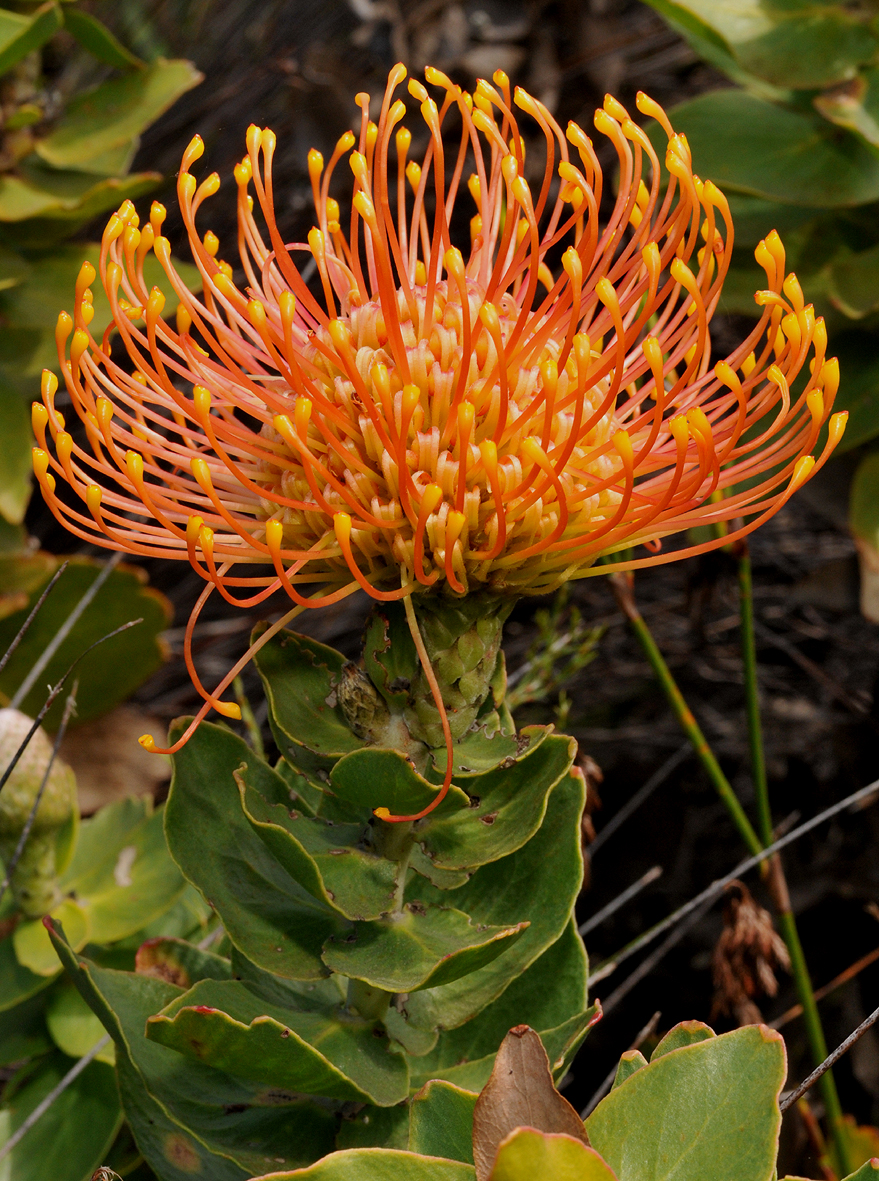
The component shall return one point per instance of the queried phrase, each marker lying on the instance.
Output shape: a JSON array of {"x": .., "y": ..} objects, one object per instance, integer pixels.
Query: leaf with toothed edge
[
  {"x": 224, "y": 1025},
  {"x": 274, "y": 921},
  {"x": 187, "y": 1117}
]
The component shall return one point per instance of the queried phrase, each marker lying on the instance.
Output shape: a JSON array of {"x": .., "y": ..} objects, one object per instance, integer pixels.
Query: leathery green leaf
[
  {"x": 23, "y": 1032},
  {"x": 377, "y": 1164},
  {"x": 441, "y": 1121},
  {"x": 867, "y": 1172},
  {"x": 328, "y": 860},
  {"x": 378, "y": 778},
  {"x": 115, "y": 113},
  {"x": 538, "y": 884},
  {"x": 72, "y": 1024},
  {"x": 15, "y": 452},
  {"x": 746, "y": 143},
  {"x": 509, "y": 806},
  {"x": 422, "y": 947},
  {"x": 17, "y": 983},
  {"x": 69, "y": 1141},
  {"x": 31, "y": 941},
  {"x": 527, "y": 1154},
  {"x": 99, "y": 41},
  {"x": 122, "y": 874},
  {"x": 112, "y": 671},
  {"x": 223, "y": 1024},
  {"x": 685, "y": 1033},
  {"x": 21, "y": 35},
  {"x": 299, "y": 676},
  {"x": 707, "y": 1109},
  {"x": 267, "y": 914},
  {"x": 546, "y": 996},
  {"x": 186, "y": 1117}
]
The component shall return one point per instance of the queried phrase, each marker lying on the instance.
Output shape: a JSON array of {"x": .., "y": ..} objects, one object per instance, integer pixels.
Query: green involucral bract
[{"x": 363, "y": 958}]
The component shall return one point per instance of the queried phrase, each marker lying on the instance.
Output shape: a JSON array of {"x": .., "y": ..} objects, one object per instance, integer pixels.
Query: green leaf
[
  {"x": 796, "y": 44},
  {"x": 223, "y": 1024},
  {"x": 527, "y": 1154},
  {"x": 854, "y": 283},
  {"x": 754, "y": 218},
  {"x": 23, "y": 1031},
  {"x": 21, "y": 35},
  {"x": 867, "y": 1172},
  {"x": 33, "y": 948},
  {"x": 538, "y": 884},
  {"x": 855, "y": 106},
  {"x": 70, "y": 1140},
  {"x": 17, "y": 983},
  {"x": 122, "y": 873},
  {"x": 511, "y": 805},
  {"x": 859, "y": 389},
  {"x": 299, "y": 675},
  {"x": 268, "y": 915},
  {"x": 114, "y": 114},
  {"x": 705, "y": 1110},
  {"x": 110, "y": 673},
  {"x": 712, "y": 48},
  {"x": 99, "y": 41},
  {"x": 378, "y": 1164},
  {"x": 549, "y": 994},
  {"x": 72, "y": 1024},
  {"x": 377, "y": 778},
  {"x": 748, "y": 144},
  {"x": 424, "y": 947},
  {"x": 15, "y": 452},
  {"x": 375, "y": 1127},
  {"x": 630, "y": 1061},
  {"x": 864, "y": 524},
  {"x": 685, "y": 1033},
  {"x": 441, "y": 1121},
  {"x": 185, "y": 1116},
  {"x": 323, "y": 857},
  {"x": 389, "y": 654},
  {"x": 54, "y": 204}
]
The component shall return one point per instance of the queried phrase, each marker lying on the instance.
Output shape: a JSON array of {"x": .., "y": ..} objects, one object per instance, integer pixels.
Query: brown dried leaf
[
  {"x": 109, "y": 762},
  {"x": 519, "y": 1094}
]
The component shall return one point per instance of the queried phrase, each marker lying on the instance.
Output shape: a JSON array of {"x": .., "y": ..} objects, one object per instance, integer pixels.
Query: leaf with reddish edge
[
  {"x": 223, "y": 1024},
  {"x": 377, "y": 1164},
  {"x": 527, "y": 1154},
  {"x": 708, "y": 1109}
]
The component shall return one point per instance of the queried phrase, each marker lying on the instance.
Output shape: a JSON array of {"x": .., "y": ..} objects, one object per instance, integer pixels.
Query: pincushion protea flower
[{"x": 437, "y": 419}]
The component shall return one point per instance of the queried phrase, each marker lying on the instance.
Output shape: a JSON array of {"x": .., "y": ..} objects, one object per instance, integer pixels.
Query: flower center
[{"x": 469, "y": 457}]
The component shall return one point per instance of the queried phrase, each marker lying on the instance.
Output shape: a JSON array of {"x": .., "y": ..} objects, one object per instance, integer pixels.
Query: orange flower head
[{"x": 442, "y": 416}]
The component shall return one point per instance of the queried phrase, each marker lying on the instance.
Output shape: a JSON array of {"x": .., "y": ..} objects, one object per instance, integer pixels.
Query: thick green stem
[
  {"x": 778, "y": 885},
  {"x": 395, "y": 842}
]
